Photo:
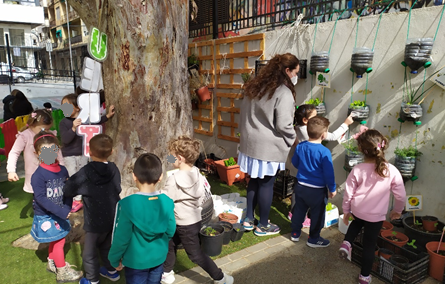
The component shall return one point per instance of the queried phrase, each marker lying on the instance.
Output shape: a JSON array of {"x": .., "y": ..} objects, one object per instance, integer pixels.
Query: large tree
[{"x": 145, "y": 74}]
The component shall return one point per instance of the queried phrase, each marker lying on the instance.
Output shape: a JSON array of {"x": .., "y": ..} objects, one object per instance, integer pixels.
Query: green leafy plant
[
  {"x": 351, "y": 219},
  {"x": 412, "y": 244},
  {"x": 394, "y": 233},
  {"x": 314, "y": 102},
  {"x": 209, "y": 231},
  {"x": 357, "y": 104},
  {"x": 435, "y": 225},
  {"x": 230, "y": 162},
  {"x": 329, "y": 206},
  {"x": 192, "y": 61},
  {"x": 409, "y": 152},
  {"x": 413, "y": 95},
  {"x": 351, "y": 148},
  {"x": 245, "y": 77}
]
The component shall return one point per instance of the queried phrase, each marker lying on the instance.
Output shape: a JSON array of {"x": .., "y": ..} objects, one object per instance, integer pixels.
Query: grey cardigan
[{"x": 266, "y": 126}]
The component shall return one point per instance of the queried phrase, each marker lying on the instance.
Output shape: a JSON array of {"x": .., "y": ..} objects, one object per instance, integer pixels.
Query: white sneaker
[
  {"x": 3, "y": 206},
  {"x": 168, "y": 277},
  {"x": 227, "y": 279}
]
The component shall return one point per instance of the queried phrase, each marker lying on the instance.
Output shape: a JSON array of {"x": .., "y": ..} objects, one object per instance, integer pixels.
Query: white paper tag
[
  {"x": 237, "y": 176},
  {"x": 45, "y": 226}
]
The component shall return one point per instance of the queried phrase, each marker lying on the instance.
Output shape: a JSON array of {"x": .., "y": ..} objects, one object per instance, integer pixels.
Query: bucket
[
  {"x": 212, "y": 245},
  {"x": 341, "y": 226},
  {"x": 437, "y": 261},
  {"x": 237, "y": 232},
  {"x": 227, "y": 231}
]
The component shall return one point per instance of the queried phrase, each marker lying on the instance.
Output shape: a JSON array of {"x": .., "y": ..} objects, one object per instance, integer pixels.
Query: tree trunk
[{"x": 144, "y": 74}]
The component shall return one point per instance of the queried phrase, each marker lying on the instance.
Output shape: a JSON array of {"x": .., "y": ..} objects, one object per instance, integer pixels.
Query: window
[
  {"x": 17, "y": 37},
  {"x": 2, "y": 37},
  {"x": 58, "y": 13}
]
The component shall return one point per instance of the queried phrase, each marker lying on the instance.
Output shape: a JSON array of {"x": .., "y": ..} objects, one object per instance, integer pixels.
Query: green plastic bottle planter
[
  {"x": 400, "y": 120},
  {"x": 404, "y": 64},
  {"x": 417, "y": 122},
  {"x": 363, "y": 122}
]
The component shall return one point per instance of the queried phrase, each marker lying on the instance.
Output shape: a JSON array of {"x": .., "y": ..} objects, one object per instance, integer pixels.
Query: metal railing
[
  {"x": 76, "y": 39},
  {"x": 43, "y": 76},
  {"x": 230, "y": 16}
]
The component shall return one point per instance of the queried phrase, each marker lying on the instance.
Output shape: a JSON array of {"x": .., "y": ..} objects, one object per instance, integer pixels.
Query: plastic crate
[
  {"x": 413, "y": 272},
  {"x": 284, "y": 184}
]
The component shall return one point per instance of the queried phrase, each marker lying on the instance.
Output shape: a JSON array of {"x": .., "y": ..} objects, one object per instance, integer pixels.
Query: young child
[
  {"x": 144, "y": 224},
  {"x": 51, "y": 209},
  {"x": 315, "y": 173},
  {"x": 72, "y": 143},
  {"x": 39, "y": 120},
  {"x": 187, "y": 188},
  {"x": 99, "y": 183},
  {"x": 366, "y": 198}
]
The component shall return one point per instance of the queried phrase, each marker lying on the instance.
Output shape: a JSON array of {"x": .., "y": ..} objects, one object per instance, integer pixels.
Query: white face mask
[{"x": 294, "y": 80}]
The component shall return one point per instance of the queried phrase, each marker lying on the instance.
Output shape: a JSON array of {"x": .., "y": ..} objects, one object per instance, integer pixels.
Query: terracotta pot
[
  {"x": 403, "y": 239},
  {"x": 387, "y": 226},
  {"x": 437, "y": 261},
  {"x": 429, "y": 223},
  {"x": 228, "y": 217},
  {"x": 229, "y": 174},
  {"x": 203, "y": 93},
  {"x": 385, "y": 253}
]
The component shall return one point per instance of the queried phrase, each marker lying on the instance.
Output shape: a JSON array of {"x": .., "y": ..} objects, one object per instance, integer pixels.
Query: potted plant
[
  {"x": 399, "y": 260},
  {"x": 228, "y": 227},
  {"x": 352, "y": 156},
  {"x": 319, "y": 106},
  {"x": 417, "y": 53},
  {"x": 229, "y": 171},
  {"x": 387, "y": 226},
  {"x": 385, "y": 253},
  {"x": 228, "y": 217},
  {"x": 437, "y": 259},
  {"x": 198, "y": 83},
  {"x": 430, "y": 223},
  {"x": 319, "y": 62},
  {"x": 415, "y": 230},
  {"x": 193, "y": 62},
  {"x": 397, "y": 238},
  {"x": 237, "y": 232},
  {"x": 211, "y": 237},
  {"x": 361, "y": 61},
  {"x": 406, "y": 161},
  {"x": 359, "y": 109}
]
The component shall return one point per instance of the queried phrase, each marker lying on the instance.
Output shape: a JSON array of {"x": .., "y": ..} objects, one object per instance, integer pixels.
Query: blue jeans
[{"x": 144, "y": 276}]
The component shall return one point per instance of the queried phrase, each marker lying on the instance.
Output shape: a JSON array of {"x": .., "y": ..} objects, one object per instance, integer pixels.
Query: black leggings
[
  {"x": 370, "y": 236},
  {"x": 260, "y": 191}
]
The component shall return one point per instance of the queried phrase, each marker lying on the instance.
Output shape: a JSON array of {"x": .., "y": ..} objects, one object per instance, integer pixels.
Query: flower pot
[
  {"x": 437, "y": 261},
  {"x": 429, "y": 223},
  {"x": 319, "y": 62},
  {"x": 321, "y": 109},
  {"x": 401, "y": 239},
  {"x": 385, "y": 253},
  {"x": 203, "y": 93},
  {"x": 352, "y": 159},
  {"x": 419, "y": 234},
  {"x": 228, "y": 217},
  {"x": 406, "y": 166},
  {"x": 399, "y": 261},
  {"x": 361, "y": 61},
  {"x": 410, "y": 112},
  {"x": 228, "y": 227},
  {"x": 418, "y": 52},
  {"x": 237, "y": 232},
  {"x": 229, "y": 174},
  {"x": 359, "y": 113},
  {"x": 209, "y": 166},
  {"x": 212, "y": 245},
  {"x": 387, "y": 226}
]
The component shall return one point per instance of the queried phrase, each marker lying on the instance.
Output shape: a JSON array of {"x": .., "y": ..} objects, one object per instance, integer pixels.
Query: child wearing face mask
[{"x": 40, "y": 120}]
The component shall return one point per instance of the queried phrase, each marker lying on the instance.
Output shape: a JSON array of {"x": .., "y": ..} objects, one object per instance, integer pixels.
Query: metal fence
[
  {"x": 42, "y": 76},
  {"x": 230, "y": 16}
]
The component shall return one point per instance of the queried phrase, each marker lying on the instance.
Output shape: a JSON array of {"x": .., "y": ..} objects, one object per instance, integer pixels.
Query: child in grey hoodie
[{"x": 188, "y": 189}]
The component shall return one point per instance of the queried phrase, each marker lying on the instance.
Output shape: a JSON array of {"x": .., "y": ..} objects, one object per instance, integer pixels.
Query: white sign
[
  {"x": 91, "y": 76},
  {"x": 439, "y": 78},
  {"x": 16, "y": 51},
  {"x": 413, "y": 202},
  {"x": 89, "y": 105},
  {"x": 323, "y": 80},
  {"x": 49, "y": 46}
]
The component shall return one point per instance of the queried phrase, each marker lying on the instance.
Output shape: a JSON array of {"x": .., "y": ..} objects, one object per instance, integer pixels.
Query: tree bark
[{"x": 145, "y": 75}]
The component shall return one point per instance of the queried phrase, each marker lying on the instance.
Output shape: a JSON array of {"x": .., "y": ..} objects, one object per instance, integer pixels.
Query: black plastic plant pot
[
  {"x": 406, "y": 166},
  {"x": 237, "y": 232},
  {"x": 227, "y": 231},
  {"x": 421, "y": 236},
  {"x": 352, "y": 158},
  {"x": 361, "y": 61},
  {"x": 411, "y": 112},
  {"x": 360, "y": 113},
  {"x": 260, "y": 64},
  {"x": 399, "y": 260},
  {"x": 212, "y": 245},
  {"x": 319, "y": 62},
  {"x": 418, "y": 52},
  {"x": 321, "y": 109},
  {"x": 302, "y": 74}
]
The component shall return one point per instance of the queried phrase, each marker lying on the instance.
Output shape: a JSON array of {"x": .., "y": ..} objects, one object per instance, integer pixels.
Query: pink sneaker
[
  {"x": 307, "y": 222},
  {"x": 77, "y": 205},
  {"x": 345, "y": 250},
  {"x": 364, "y": 279},
  {"x": 289, "y": 216}
]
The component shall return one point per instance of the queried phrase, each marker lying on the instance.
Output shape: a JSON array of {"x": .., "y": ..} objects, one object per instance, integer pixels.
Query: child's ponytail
[
  {"x": 37, "y": 118},
  {"x": 303, "y": 111},
  {"x": 373, "y": 144}
]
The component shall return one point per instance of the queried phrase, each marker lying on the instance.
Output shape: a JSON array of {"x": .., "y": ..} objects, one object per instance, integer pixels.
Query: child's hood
[
  {"x": 100, "y": 173},
  {"x": 189, "y": 182}
]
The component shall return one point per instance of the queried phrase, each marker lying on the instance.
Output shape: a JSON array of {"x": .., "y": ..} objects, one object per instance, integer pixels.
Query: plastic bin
[{"x": 341, "y": 226}]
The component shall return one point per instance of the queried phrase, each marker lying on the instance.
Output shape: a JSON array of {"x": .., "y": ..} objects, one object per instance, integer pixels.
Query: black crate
[
  {"x": 284, "y": 184},
  {"x": 413, "y": 272}
]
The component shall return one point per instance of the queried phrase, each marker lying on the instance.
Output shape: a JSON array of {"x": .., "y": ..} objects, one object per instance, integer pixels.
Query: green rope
[
  {"x": 400, "y": 133},
  {"x": 352, "y": 86},
  {"x": 333, "y": 33},
  {"x": 423, "y": 85},
  {"x": 441, "y": 14},
  {"x": 315, "y": 35},
  {"x": 358, "y": 21},
  {"x": 366, "y": 88},
  {"x": 378, "y": 25},
  {"x": 409, "y": 18}
]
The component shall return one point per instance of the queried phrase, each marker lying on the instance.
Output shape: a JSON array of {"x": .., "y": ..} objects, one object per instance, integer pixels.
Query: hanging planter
[
  {"x": 360, "y": 111},
  {"x": 203, "y": 93},
  {"x": 319, "y": 106},
  {"x": 361, "y": 61},
  {"x": 212, "y": 239},
  {"x": 418, "y": 53},
  {"x": 406, "y": 159},
  {"x": 416, "y": 231},
  {"x": 437, "y": 260},
  {"x": 352, "y": 157},
  {"x": 319, "y": 62},
  {"x": 411, "y": 112}
]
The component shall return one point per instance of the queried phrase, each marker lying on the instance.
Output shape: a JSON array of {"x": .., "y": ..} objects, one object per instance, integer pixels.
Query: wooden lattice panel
[
  {"x": 231, "y": 91},
  {"x": 204, "y": 113}
]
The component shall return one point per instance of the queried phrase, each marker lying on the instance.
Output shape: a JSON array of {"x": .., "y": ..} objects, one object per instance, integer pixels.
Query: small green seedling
[
  {"x": 209, "y": 231},
  {"x": 230, "y": 162},
  {"x": 412, "y": 244},
  {"x": 350, "y": 219},
  {"x": 435, "y": 225},
  {"x": 418, "y": 223},
  {"x": 394, "y": 233},
  {"x": 329, "y": 207}
]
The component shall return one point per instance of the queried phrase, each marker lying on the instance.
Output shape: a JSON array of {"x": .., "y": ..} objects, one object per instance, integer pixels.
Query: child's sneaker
[
  {"x": 317, "y": 243},
  {"x": 168, "y": 277},
  {"x": 271, "y": 229},
  {"x": 345, "y": 250},
  {"x": 307, "y": 223},
  {"x": 3, "y": 199},
  {"x": 67, "y": 274},
  {"x": 3, "y": 206},
  {"x": 249, "y": 225},
  {"x": 295, "y": 237},
  {"x": 227, "y": 279},
  {"x": 51, "y": 266},
  {"x": 112, "y": 276},
  {"x": 77, "y": 205},
  {"x": 364, "y": 279},
  {"x": 85, "y": 281},
  {"x": 289, "y": 216}
]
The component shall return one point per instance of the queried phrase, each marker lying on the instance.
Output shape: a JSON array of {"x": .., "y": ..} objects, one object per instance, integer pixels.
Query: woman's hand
[{"x": 13, "y": 177}]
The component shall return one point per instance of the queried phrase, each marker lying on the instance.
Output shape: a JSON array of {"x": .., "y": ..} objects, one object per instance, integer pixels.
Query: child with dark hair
[
  {"x": 144, "y": 224},
  {"x": 188, "y": 189},
  {"x": 99, "y": 183},
  {"x": 315, "y": 174},
  {"x": 366, "y": 199},
  {"x": 21, "y": 105},
  {"x": 51, "y": 209}
]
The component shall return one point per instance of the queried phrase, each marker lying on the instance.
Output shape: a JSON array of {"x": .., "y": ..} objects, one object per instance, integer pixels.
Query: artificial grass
[{"x": 28, "y": 266}]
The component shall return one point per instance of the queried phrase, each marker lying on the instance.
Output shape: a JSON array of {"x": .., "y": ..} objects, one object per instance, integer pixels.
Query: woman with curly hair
[{"x": 267, "y": 134}]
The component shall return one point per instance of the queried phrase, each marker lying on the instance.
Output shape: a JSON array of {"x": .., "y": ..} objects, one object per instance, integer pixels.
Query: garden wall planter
[
  {"x": 212, "y": 245},
  {"x": 237, "y": 232},
  {"x": 437, "y": 261},
  {"x": 406, "y": 166},
  {"x": 361, "y": 61},
  {"x": 229, "y": 174},
  {"x": 203, "y": 93},
  {"x": 321, "y": 109},
  {"x": 352, "y": 159},
  {"x": 411, "y": 112},
  {"x": 397, "y": 238},
  {"x": 360, "y": 113},
  {"x": 228, "y": 227},
  {"x": 419, "y": 234},
  {"x": 418, "y": 52},
  {"x": 319, "y": 62}
]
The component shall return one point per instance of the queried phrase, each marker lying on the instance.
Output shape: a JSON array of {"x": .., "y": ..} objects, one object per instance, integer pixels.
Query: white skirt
[{"x": 258, "y": 168}]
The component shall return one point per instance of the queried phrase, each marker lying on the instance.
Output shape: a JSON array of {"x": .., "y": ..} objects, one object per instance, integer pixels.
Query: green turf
[{"x": 27, "y": 266}]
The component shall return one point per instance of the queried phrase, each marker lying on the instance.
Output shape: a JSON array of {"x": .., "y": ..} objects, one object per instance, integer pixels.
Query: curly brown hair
[
  {"x": 272, "y": 76},
  {"x": 372, "y": 144},
  {"x": 186, "y": 147}
]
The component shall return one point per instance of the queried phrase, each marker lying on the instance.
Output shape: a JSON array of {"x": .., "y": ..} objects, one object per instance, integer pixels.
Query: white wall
[
  {"x": 21, "y": 14},
  {"x": 385, "y": 87},
  {"x": 29, "y": 38}
]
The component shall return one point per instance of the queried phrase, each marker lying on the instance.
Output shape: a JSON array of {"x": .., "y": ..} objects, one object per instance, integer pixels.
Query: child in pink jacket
[
  {"x": 366, "y": 198},
  {"x": 39, "y": 120}
]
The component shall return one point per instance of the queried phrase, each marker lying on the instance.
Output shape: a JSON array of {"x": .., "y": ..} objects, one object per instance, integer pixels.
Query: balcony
[
  {"x": 76, "y": 39},
  {"x": 52, "y": 23},
  {"x": 28, "y": 14}
]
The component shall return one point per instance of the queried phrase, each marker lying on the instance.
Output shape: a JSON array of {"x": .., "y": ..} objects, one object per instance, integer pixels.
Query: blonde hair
[{"x": 186, "y": 147}]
